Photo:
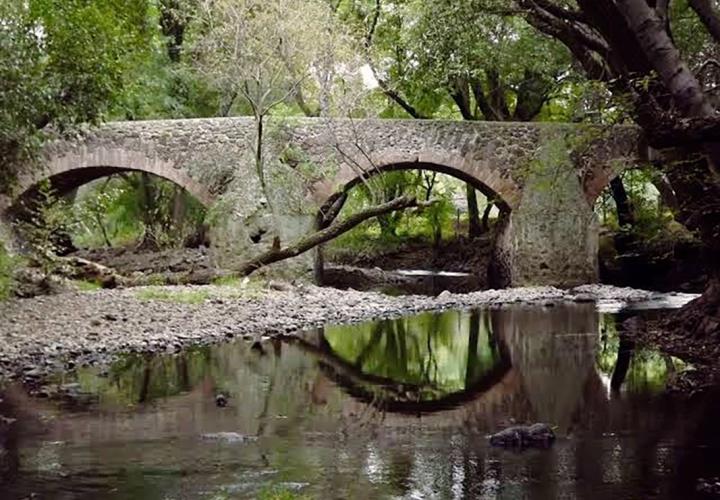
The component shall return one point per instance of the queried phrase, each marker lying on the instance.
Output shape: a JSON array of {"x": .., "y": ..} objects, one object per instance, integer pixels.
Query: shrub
[{"x": 8, "y": 263}]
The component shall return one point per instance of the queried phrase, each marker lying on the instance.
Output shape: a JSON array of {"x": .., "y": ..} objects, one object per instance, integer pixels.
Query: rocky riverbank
[{"x": 47, "y": 334}]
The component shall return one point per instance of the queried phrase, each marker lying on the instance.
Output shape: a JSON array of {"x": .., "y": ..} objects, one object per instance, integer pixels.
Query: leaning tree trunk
[
  {"x": 695, "y": 179},
  {"x": 485, "y": 223},
  {"x": 321, "y": 236}
]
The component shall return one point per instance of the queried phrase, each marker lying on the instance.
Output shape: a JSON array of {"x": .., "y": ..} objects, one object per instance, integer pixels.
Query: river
[{"x": 383, "y": 409}]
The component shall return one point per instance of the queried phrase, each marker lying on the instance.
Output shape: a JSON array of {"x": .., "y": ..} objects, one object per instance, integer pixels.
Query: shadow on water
[{"x": 392, "y": 408}]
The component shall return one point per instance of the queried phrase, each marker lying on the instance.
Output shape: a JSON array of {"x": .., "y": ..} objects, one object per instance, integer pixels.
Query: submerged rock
[
  {"x": 524, "y": 436},
  {"x": 228, "y": 437}
]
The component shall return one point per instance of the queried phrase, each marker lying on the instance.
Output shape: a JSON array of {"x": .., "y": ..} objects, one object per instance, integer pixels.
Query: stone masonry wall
[{"x": 310, "y": 159}]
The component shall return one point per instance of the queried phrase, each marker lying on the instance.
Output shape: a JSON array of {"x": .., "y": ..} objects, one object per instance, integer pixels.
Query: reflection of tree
[
  {"x": 628, "y": 365},
  {"x": 438, "y": 352},
  {"x": 145, "y": 384},
  {"x": 430, "y": 360},
  {"x": 9, "y": 444},
  {"x": 474, "y": 364},
  {"x": 377, "y": 335},
  {"x": 181, "y": 365},
  {"x": 265, "y": 412},
  {"x": 626, "y": 347},
  {"x": 402, "y": 365}
]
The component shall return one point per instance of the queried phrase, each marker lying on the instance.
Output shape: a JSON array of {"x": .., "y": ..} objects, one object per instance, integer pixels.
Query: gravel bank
[{"x": 46, "y": 334}]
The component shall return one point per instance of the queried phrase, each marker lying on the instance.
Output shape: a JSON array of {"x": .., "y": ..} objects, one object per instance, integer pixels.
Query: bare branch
[
  {"x": 382, "y": 83},
  {"x": 561, "y": 12}
]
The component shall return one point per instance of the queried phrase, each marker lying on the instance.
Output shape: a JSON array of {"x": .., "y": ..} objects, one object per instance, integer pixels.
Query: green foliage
[
  {"x": 421, "y": 52},
  {"x": 170, "y": 295},
  {"x": 438, "y": 353},
  {"x": 8, "y": 264},
  {"x": 44, "y": 224},
  {"x": 280, "y": 493},
  {"x": 689, "y": 34},
  {"x": 86, "y": 286},
  {"x": 64, "y": 63},
  {"x": 440, "y": 221},
  {"x": 649, "y": 370},
  {"x": 126, "y": 209},
  {"x": 655, "y": 224}
]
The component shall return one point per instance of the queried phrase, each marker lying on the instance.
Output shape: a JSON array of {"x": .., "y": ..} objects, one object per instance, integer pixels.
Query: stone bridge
[{"x": 546, "y": 176}]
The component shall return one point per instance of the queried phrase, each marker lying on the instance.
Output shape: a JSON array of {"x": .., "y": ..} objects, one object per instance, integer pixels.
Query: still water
[{"x": 385, "y": 409}]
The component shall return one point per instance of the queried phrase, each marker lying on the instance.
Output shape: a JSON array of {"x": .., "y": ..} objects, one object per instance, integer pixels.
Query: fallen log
[{"x": 337, "y": 228}]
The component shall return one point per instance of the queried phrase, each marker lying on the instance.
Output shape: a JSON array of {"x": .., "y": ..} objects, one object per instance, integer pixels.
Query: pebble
[{"x": 37, "y": 335}]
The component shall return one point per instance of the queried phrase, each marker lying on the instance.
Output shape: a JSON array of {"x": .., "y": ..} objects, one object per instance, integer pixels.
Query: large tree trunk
[
  {"x": 149, "y": 213},
  {"x": 696, "y": 181},
  {"x": 625, "y": 215},
  {"x": 628, "y": 44}
]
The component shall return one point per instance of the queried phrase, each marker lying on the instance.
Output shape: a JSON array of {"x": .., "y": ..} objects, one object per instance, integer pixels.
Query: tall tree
[
  {"x": 64, "y": 63},
  {"x": 632, "y": 45},
  {"x": 266, "y": 52},
  {"x": 501, "y": 70}
]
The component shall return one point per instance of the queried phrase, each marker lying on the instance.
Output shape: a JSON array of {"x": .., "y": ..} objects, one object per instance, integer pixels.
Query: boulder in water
[{"x": 524, "y": 436}]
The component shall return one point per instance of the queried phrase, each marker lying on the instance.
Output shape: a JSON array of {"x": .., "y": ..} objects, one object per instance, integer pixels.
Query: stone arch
[
  {"x": 469, "y": 168},
  {"x": 480, "y": 175},
  {"x": 594, "y": 186},
  {"x": 609, "y": 157},
  {"x": 73, "y": 169}
]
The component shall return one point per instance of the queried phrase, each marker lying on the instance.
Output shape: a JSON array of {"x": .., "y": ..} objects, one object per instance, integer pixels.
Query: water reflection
[
  {"x": 419, "y": 364},
  {"x": 377, "y": 410}
]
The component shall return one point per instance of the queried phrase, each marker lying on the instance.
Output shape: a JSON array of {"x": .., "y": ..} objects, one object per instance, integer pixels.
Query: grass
[
  {"x": 86, "y": 286},
  {"x": 169, "y": 295},
  {"x": 234, "y": 281},
  {"x": 156, "y": 279},
  {"x": 228, "y": 287},
  {"x": 8, "y": 264},
  {"x": 280, "y": 493},
  {"x": 240, "y": 287}
]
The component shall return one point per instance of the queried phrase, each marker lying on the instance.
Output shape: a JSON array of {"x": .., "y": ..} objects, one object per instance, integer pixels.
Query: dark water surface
[{"x": 387, "y": 409}]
